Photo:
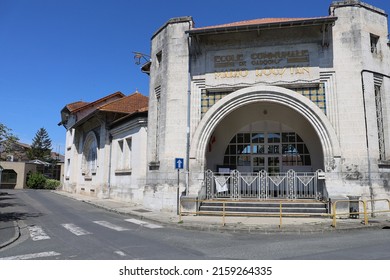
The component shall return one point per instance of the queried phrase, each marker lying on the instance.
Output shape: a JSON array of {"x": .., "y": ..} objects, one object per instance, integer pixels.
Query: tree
[
  {"x": 41, "y": 146},
  {"x": 7, "y": 139}
]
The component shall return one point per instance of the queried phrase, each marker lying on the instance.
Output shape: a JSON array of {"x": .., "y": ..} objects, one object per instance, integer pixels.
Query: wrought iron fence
[{"x": 264, "y": 185}]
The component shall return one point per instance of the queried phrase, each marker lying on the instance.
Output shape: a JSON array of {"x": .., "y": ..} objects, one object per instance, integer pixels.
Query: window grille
[{"x": 316, "y": 94}]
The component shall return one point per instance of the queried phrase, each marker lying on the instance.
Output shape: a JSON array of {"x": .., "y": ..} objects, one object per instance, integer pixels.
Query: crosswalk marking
[
  {"x": 32, "y": 256},
  {"x": 75, "y": 229},
  {"x": 37, "y": 233},
  {"x": 143, "y": 223},
  {"x": 110, "y": 225}
]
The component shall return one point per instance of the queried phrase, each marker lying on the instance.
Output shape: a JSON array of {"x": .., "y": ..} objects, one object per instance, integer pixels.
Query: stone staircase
[{"x": 290, "y": 208}]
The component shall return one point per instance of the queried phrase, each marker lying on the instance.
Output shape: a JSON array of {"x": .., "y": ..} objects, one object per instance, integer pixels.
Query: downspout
[
  {"x": 188, "y": 112},
  {"x": 109, "y": 165},
  {"x": 367, "y": 142}
]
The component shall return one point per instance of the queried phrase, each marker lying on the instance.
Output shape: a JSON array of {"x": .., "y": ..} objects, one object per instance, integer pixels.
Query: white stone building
[
  {"x": 105, "y": 153},
  {"x": 275, "y": 108},
  {"x": 300, "y": 107}
]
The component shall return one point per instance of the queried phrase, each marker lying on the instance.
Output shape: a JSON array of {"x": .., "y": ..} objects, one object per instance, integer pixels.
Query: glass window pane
[
  {"x": 247, "y": 138},
  {"x": 300, "y": 148},
  {"x": 244, "y": 161},
  {"x": 247, "y": 149},
  {"x": 258, "y": 161},
  {"x": 258, "y": 149},
  {"x": 273, "y": 149},
  {"x": 257, "y": 137},
  {"x": 273, "y": 137}
]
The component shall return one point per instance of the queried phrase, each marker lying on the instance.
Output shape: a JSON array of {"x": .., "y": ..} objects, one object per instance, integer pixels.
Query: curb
[{"x": 14, "y": 238}]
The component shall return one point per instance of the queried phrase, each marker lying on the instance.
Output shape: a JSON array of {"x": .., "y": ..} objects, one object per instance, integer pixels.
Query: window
[
  {"x": 9, "y": 177},
  {"x": 124, "y": 153},
  {"x": 374, "y": 43},
  {"x": 68, "y": 168},
  {"x": 159, "y": 58},
  {"x": 316, "y": 94},
  {"x": 89, "y": 165},
  {"x": 269, "y": 150}
]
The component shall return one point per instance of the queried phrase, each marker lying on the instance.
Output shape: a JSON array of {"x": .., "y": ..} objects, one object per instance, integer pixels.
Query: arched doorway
[
  {"x": 264, "y": 136},
  {"x": 273, "y": 112}
]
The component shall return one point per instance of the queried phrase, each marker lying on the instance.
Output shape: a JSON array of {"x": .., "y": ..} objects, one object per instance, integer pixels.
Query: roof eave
[{"x": 252, "y": 27}]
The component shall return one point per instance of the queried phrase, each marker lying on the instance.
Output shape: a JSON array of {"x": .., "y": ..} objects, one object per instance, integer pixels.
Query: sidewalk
[{"x": 233, "y": 224}]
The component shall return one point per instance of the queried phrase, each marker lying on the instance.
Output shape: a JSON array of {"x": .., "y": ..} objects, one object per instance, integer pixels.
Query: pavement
[{"x": 10, "y": 232}]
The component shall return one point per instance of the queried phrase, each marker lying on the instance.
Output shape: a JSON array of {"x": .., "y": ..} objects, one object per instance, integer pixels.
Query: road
[{"x": 55, "y": 227}]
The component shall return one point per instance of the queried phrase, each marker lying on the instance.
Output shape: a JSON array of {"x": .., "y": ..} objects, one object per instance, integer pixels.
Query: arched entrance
[{"x": 262, "y": 128}]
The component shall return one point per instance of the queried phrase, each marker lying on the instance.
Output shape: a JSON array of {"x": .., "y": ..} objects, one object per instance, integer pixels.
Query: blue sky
[{"x": 54, "y": 52}]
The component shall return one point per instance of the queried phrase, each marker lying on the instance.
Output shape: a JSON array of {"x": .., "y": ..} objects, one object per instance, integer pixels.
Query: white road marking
[
  {"x": 37, "y": 233},
  {"x": 75, "y": 229},
  {"x": 111, "y": 226},
  {"x": 120, "y": 253},
  {"x": 32, "y": 256},
  {"x": 144, "y": 224}
]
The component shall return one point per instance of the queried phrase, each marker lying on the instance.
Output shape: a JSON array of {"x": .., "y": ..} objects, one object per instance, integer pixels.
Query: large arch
[{"x": 247, "y": 96}]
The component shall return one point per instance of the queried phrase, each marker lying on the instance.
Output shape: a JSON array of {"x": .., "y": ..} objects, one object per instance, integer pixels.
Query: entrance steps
[{"x": 268, "y": 207}]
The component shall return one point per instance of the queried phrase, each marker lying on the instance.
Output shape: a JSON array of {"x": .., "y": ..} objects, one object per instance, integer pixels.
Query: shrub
[
  {"x": 52, "y": 184},
  {"x": 36, "y": 181}
]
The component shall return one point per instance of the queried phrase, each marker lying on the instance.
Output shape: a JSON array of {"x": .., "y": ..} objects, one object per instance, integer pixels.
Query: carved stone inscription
[{"x": 262, "y": 65}]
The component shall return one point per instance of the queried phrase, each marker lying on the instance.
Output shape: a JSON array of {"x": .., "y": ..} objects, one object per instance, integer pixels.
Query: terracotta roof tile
[
  {"x": 117, "y": 94},
  {"x": 133, "y": 103},
  {"x": 75, "y": 105}
]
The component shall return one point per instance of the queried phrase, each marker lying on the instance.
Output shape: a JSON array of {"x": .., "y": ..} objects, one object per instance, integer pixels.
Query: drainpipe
[
  {"x": 188, "y": 112},
  {"x": 366, "y": 128},
  {"x": 109, "y": 165}
]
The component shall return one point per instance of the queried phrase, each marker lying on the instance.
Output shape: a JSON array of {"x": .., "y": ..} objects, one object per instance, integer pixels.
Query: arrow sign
[{"x": 179, "y": 163}]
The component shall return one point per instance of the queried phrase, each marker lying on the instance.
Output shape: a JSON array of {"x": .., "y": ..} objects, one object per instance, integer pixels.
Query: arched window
[
  {"x": 269, "y": 151},
  {"x": 89, "y": 164}
]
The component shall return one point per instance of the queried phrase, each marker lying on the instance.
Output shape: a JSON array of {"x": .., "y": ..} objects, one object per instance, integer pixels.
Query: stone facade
[
  {"x": 106, "y": 147},
  {"x": 325, "y": 79}
]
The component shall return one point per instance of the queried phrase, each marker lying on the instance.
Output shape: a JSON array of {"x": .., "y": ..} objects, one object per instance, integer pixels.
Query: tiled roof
[
  {"x": 133, "y": 103},
  {"x": 75, "y": 105},
  {"x": 117, "y": 94},
  {"x": 263, "y": 21}
]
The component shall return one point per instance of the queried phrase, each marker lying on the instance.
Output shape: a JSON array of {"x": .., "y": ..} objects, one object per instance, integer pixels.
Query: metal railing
[
  {"x": 225, "y": 213},
  {"x": 263, "y": 185},
  {"x": 356, "y": 213}
]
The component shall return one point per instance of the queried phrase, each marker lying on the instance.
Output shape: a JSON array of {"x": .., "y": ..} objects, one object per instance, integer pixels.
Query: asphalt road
[{"x": 57, "y": 227}]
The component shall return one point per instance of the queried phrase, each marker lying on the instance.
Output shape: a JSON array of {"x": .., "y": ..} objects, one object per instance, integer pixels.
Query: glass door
[{"x": 269, "y": 163}]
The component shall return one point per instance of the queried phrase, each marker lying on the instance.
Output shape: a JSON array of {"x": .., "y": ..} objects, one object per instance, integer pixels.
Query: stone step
[
  {"x": 298, "y": 208},
  {"x": 266, "y": 204}
]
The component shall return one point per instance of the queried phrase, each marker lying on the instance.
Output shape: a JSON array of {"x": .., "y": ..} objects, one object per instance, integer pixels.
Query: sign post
[{"x": 179, "y": 164}]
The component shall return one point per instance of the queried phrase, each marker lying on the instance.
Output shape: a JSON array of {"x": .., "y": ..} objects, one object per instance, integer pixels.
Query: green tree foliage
[
  {"x": 41, "y": 146},
  {"x": 7, "y": 139},
  {"x": 52, "y": 184},
  {"x": 36, "y": 181}
]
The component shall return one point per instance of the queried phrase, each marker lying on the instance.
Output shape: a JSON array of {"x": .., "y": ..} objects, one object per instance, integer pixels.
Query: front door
[
  {"x": 269, "y": 163},
  {"x": 273, "y": 151}
]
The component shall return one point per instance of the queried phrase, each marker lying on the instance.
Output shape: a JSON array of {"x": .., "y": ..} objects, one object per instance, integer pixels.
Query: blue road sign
[{"x": 179, "y": 163}]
